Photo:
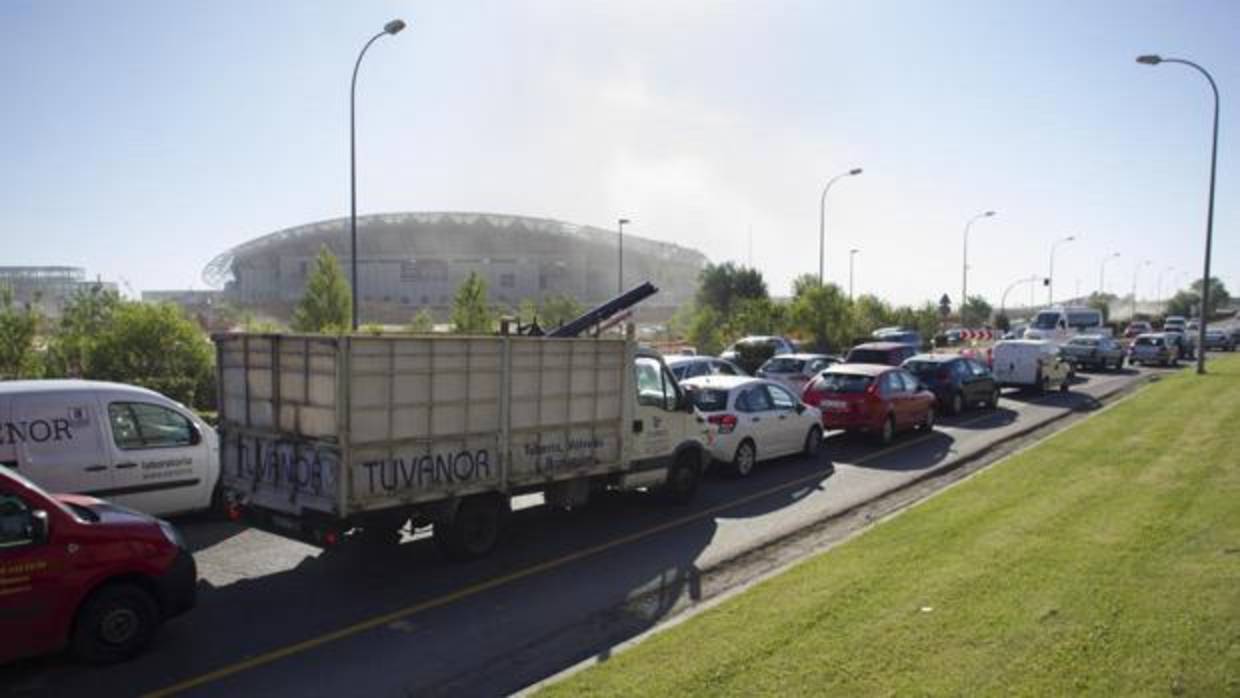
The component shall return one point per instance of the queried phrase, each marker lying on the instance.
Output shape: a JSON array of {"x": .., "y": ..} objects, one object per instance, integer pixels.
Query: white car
[
  {"x": 119, "y": 442},
  {"x": 1031, "y": 363},
  {"x": 793, "y": 371},
  {"x": 751, "y": 419}
]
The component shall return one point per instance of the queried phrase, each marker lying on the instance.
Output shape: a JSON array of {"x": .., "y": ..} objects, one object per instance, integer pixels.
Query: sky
[{"x": 141, "y": 139}]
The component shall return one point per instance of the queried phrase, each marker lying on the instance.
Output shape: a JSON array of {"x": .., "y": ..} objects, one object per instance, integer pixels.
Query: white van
[
  {"x": 1060, "y": 324},
  {"x": 1030, "y": 363},
  {"x": 119, "y": 442}
]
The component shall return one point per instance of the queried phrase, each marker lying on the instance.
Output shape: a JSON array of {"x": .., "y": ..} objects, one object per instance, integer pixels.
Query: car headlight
[{"x": 171, "y": 533}]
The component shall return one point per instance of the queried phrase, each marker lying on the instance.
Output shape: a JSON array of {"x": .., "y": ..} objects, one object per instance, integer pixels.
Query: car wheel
[
  {"x": 744, "y": 459},
  {"x": 887, "y": 433},
  {"x": 813, "y": 442},
  {"x": 994, "y": 399},
  {"x": 957, "y": 404},
  {"x": 928, "y": 423},
  {"x": 116, "y": 623}
]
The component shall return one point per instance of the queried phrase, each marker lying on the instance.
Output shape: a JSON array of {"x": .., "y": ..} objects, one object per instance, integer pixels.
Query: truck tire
[
  {"x": 116, "y": 623},
  {"x": 475, "y": 529},
  {"x": 682, "y": 479}
]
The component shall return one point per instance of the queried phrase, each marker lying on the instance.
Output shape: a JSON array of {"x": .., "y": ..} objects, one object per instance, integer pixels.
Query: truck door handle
[
  {"x": 637, "y": 426},
  {"x": 757, "y": 419},
  {"x": 123, "y": 466},
  {"x": 783, "y": 416},
  {"x": 95, "y": 468}
]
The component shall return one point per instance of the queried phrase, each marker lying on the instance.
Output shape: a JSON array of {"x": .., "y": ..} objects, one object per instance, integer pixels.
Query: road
[{"x": 279, "y": 617}]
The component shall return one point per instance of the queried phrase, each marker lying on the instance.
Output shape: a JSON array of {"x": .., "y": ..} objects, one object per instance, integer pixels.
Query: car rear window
[
  {"x": 922, "y": 368},
  {"x": 844, "y": 383},
  {"x": 868, "y": 356},
  {"x": 1148, "y": 342},
  {"x": 784, "y": 366},
  {"x": 709, "y": 399}
]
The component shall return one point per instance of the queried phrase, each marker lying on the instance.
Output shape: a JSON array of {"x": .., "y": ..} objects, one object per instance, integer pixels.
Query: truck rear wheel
[
  {"x": 683, "y": 478},
  {"x": 116, "y": 623},
  {"x": 475, "y": 529}
]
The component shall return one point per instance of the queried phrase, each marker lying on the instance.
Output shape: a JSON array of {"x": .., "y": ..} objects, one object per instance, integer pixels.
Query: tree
[
  {"x": 326, "y": 306},
  {"x": 86, "y": 315},
  {"x": 870, "y": 313},
  {"x": 19, "y": 325},
  {"x": 721, "y": 286},
  {"x": 1188, "y": 302},
  {"x": 706, "y": 331},
  {"x": 975, "y": 311},
  {"x": 157, "y": 347},
  {"x": 1102, "y": 303},
  {"x": 822, "y": 313},
  {"x": 804, "y": 283},
  {"x": 423, "y": 322},
  {"x": 757, "y": 316},
  {"x": 945, "y": 306},
  {"x": 470, "y": 314},
  {"x": 557, "y": 310}
]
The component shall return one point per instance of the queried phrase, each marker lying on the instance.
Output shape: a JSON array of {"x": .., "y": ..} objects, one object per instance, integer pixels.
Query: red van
[{"x": 83, "y": 573}]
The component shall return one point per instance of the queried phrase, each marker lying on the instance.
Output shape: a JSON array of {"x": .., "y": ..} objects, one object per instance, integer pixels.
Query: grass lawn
[{"x": 1106, "y": 561}]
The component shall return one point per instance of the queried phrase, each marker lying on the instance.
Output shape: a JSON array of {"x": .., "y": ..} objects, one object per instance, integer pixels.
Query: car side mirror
[
  {"x": 685, "y": 404},
  {"x": 39, "y": 526}
]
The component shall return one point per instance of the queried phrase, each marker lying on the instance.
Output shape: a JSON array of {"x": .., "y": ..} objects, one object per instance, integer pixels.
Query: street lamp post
[
  {"x": 1136, "y": 272},
  {"x": 1102, "y": 272},
  {"x": 394, "y": 27},
  {"x": 1050, "y": 279},
  {"x": 1205, "y": 275},
  {"x": 851, "y": 254},
  {"x": 964, "y": 284},
  {"x": 620, "y": 273},
  {"x": 822, "y": 220},
  {"x": 1014, "y": 284}
]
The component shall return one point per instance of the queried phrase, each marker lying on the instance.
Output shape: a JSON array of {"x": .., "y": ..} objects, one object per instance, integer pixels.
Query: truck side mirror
[
  {"x": 195, "y": 435},
  {"x": 39, "y": 527}
]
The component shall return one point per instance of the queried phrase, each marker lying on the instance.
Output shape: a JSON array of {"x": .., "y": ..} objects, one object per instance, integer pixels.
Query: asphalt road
[{"x": 279, "y": 617}]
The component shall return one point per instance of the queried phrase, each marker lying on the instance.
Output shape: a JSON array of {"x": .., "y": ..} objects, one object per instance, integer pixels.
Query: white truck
[
  {"x": 322, "y": 434},
  {"x": 1059, "y": 324}
]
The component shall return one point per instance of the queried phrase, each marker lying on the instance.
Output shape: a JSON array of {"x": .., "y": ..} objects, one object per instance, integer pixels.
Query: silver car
[{"x": 793, "y": 371}]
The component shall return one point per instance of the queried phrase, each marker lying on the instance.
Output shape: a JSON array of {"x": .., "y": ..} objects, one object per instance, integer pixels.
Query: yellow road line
[{"x": 474, "y": 589}]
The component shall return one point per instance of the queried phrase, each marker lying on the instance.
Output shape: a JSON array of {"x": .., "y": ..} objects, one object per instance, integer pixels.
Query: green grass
[{"x": 1104, "y": 561}]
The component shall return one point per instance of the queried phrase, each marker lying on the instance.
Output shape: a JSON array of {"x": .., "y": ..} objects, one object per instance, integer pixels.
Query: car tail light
[
  {"x": 725, "y": 422},
  {"x": 810, "y": 396},
  {"x": 330, "y": 538},
  {"x": 233, "y": 512}
]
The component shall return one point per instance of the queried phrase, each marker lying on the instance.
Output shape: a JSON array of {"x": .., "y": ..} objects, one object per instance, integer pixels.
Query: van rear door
[
  {"x": 58, "y": 442},
  {"x": 158, "y": 456}
]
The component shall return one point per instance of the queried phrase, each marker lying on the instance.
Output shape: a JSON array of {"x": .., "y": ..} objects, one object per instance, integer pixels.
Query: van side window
[
  {"x": 16, "y": 521},
  {"x": 140, "y": 425}
]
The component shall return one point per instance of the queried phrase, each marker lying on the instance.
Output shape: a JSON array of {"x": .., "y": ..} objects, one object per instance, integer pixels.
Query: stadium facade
[
  {"x": 49, "y": 288},
  {"x": 407, "y": 261}
]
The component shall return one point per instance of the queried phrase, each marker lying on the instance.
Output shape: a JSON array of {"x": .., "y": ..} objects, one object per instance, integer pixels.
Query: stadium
[{"x": 409, "y": 261}]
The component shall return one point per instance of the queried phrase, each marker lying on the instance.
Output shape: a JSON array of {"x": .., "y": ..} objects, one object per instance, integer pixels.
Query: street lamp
[
  {"x": 1050, "y": 279},
  {"x": 851, "y": 254},
  {"x": 1014, "y": 284},
  {"x": 620, "y": 275},
  {"x": 1205, "y": 276},
  {"x": 1135, "y": 273},
  {"x": 964, "y": 285},
  {"x": 822, "y": 219},
  {"x": 394, "y": 27},
  {"x": 1102, "y": 272}
]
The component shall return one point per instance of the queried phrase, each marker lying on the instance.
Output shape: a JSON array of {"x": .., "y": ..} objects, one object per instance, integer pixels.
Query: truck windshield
[
  {"x": 1084, "y": 320},
  {"x": 1046, "y": 320}
]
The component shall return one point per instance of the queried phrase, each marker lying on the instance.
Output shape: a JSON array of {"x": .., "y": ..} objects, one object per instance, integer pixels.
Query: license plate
[
  {"x": 834, "y": 404},
  {"x": 285, "y": 523}
]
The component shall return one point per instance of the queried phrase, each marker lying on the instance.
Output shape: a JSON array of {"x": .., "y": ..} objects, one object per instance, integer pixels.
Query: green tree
[
  {"x": 870, "y": 313},
  {"x": 470, "y": 313},
  {"x": 326, "y": 306},
  {"x": 1219, "y": 297},
  {"x": 557, "y": 310},
  {"x": 757, "y": 316},
  {"x": 19, "y": 326},
  {"x": 86, "y": 315},
  {"x": 155, "y": 346},
  {"x": 705, "y": 331},
  {"x": 823, "y": 314},
  {"x": 1102, "y": 303},
  {"x": 975, "y": 311},
  {"x": 423, "y": 322},
  {"x": 803, "y": 283},
  {"x": 721, "y": 286},
  {"x": 945, "y": 306}
]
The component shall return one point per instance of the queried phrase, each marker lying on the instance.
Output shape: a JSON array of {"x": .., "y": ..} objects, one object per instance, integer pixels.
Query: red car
[
  {"x": 79, "y": 572},
  {"x": 878, "y": 400}
]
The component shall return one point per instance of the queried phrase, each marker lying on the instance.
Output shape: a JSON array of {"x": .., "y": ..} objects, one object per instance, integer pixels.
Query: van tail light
[{"x": 725, "y": 422}]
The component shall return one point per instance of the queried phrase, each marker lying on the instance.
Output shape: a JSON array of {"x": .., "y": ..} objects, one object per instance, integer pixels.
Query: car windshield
[
  {"x": 784, "y": 365},
  {"x": 1046, "y": 321},
  {"x": 1148, "y": 342},
  {"x": 844, "y": 382},
  {"x": 709, "y": 399},
  {"x": 1084, "y": 341},
  {"x": 923, "y": 368},
  {"x": 867, "y": 356}
]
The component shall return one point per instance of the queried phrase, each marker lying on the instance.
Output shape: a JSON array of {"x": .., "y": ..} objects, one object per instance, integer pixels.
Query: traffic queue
[{"x": 86, "y": 467}]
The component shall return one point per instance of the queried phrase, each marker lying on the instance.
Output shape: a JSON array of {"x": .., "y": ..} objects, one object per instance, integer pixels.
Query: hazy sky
[{"x": 141, "y": 139}]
